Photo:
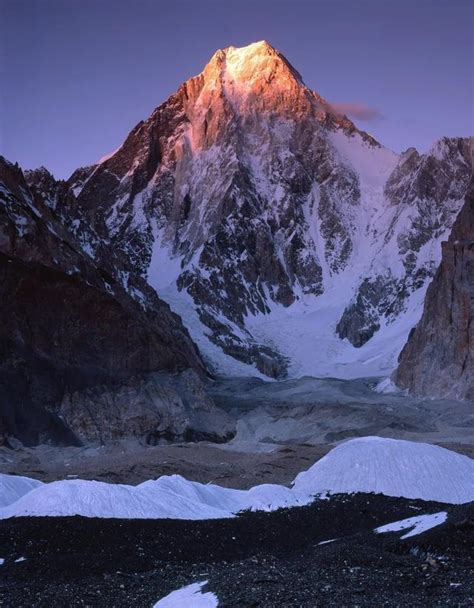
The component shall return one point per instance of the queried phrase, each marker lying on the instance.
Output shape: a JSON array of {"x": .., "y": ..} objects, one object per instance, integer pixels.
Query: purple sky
[{"x": 77, "y": 75}]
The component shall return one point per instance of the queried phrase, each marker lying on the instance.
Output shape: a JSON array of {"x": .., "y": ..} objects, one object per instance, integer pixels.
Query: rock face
[
  {"x": 66, "y": 322},
  {"x": 245, "y": 194},
  {"x": 438, "y": 359},
  {"x": 157, "y": 408}
]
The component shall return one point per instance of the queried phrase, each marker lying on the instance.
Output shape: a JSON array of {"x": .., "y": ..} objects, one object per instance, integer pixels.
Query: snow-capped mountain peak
[
  {"x": 252, "y": 71},
  {"x": 255, "y": 80},
  {"x": 259, "y": 213},
  {"x": 250, "y": 65}
]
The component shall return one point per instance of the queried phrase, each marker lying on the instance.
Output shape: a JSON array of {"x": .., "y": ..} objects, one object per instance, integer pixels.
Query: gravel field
[{"x": 258, "y": 559}]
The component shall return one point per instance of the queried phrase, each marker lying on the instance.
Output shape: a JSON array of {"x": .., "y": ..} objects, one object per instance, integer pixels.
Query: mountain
[
  {"x": 269, "y": 222},
  {"x": 438, "y": 359},
  {"x": 68, "y": 323}
]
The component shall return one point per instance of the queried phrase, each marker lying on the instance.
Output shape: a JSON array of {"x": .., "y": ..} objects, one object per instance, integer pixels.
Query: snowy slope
[
  {"x": 370, "y": 464},
  {"x": 305, "y": 333},
  {"x": 13, "y": 487}
]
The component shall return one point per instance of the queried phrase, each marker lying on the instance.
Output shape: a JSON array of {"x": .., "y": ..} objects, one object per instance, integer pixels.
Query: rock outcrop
[
  {"x": 157, "y": 408},
  {"x": 67, "y": 323},
  {"x": 438, "y": 359}
]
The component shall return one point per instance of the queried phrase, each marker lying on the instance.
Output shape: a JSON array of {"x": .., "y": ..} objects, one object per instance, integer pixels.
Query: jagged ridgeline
[{"x": 68, "y": 323}]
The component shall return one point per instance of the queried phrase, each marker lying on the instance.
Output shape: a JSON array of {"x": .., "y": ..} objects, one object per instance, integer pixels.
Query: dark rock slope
[
  {"x": 438, "y": 358},
  {"x": 67, "y": 324}
]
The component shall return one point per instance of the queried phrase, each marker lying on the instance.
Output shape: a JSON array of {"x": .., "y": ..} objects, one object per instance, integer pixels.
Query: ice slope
[
  {"x": 392, "y": 467},
  {"x": 295, "y": 330},
  {"x": 305, "y": 333},
  {"x": 370, "y": 464},
  {"x": 415, "y": 525},
  {"x": 13, "y": 487},
  {"x": 189, "y": 596}
]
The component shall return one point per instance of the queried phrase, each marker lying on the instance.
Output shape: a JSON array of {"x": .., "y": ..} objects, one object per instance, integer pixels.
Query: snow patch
[
  {"x": 164, "y": 269},
  {"x": 387, "y": 387},
  {"x": 191, "y": 595},
  {"x": 416, "y": 525},
  {"x": 325, "y": 542}
]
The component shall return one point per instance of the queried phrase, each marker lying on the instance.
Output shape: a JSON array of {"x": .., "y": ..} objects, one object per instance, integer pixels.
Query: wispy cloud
[{"x": 359, "y": 111}]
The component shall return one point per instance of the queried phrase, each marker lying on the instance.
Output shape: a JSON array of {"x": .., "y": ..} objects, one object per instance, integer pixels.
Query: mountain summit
[
  {"x": 256, "y": 61},
  {"x": 255, "y": 74},
  {"x": 256, "y": 79},
  {"x": 288, "y": 240}
]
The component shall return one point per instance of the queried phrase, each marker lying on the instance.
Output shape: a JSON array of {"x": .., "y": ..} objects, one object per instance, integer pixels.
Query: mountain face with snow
[
  {"x": 269, "y": 222},
  {"x": 68, "y": 323},
  {"x": 438, "y": 359}
]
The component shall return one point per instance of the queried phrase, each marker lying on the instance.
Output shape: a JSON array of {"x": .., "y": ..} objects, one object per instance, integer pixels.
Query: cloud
[{"x": 360, "y": 111}]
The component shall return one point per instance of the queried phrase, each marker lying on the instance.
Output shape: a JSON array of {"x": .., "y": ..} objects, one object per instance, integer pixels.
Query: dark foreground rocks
[{"x": 258, "y": 559}]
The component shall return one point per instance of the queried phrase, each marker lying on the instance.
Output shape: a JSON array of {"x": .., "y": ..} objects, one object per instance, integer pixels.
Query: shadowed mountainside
[{"x": 66, "y": 323}]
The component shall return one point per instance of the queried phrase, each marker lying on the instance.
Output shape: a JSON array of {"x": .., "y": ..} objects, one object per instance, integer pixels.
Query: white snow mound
[
  {"x": 392, "y": 467},
  {"x": 169, "y": 497},
  {"x": 13, "y": 487},
  {"x": 371, "y": 464}
]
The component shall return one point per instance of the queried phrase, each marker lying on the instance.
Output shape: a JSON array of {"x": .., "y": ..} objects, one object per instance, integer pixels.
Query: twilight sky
[{"x": 77, "y": 75}]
